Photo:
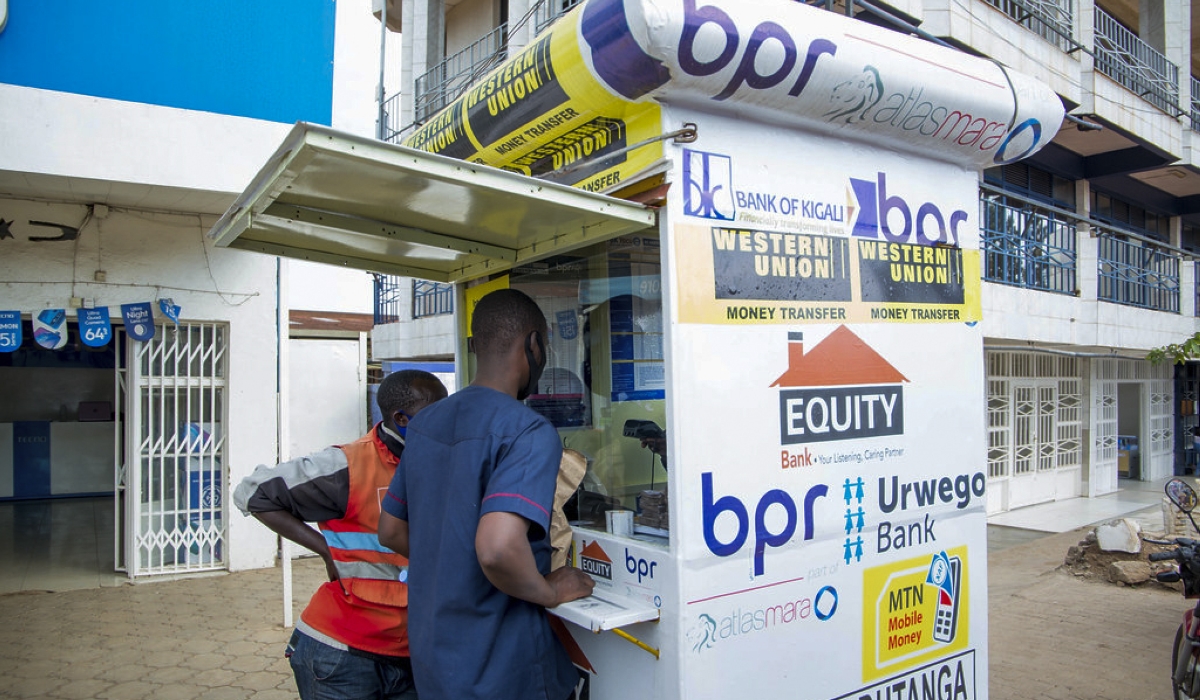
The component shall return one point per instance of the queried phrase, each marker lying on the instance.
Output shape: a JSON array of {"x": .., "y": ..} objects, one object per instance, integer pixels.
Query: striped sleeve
[{"x": 312, "y": 488}]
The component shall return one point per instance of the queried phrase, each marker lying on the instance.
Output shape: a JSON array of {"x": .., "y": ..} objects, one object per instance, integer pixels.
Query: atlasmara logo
[
  {"x": 844, "y": 390},
  {"x": 594, "y": 560}
]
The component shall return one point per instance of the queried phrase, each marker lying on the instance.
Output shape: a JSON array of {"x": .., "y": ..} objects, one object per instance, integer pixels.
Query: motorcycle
[{"x": 1185, "y": 658}]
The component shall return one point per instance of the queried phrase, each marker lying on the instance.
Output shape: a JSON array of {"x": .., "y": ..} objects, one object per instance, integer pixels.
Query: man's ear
[{"x": 399, "y": 419}]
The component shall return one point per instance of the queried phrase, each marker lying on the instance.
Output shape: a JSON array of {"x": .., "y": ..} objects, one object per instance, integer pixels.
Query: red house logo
[
  {"x": 594, "y": 560},
  {"x": 840, "y": 390}
]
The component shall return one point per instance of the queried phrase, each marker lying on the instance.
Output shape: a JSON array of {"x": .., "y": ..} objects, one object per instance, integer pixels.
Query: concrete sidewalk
[
  {"x": 1052, "y": 635},
  {"x": 219, "y": 638},
  {"x": 212, "y": 638}
]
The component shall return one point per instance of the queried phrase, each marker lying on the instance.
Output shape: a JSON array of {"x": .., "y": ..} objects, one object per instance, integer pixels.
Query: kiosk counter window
[{"x": 604, "y": 386}]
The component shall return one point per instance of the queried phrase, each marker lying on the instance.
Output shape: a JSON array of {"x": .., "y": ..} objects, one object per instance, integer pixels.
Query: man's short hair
[
  {"x": 503, "y": 317},
  {"x": 403, "y": 390}
]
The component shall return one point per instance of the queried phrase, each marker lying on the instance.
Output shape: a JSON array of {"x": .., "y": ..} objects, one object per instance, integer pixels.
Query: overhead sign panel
[{"x": 591, "y": 85}]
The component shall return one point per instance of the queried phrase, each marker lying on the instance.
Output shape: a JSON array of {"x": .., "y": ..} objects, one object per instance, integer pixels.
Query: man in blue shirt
[{"x": 469, "y": 505}]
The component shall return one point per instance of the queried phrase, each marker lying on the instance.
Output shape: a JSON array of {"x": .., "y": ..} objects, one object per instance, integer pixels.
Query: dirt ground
[{"x": 1085, "y": 560}]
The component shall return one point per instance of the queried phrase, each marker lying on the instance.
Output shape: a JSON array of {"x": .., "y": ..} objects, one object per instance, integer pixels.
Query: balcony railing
[
  {"x": 1137, "y": 272},
  {"x": 391, "y": 119},
  {"x": 1195, "y": 104},
  {"x": 547, "y": 11},
  {"x": 1027, "y": 246},
  {"x": 432, "y": 299},
  {"x": 1125, "y": 58},
  {"x": 1050, "y": 19},
  {"x": 443, "y": 83},
  {"x": 387, "y": 299}
]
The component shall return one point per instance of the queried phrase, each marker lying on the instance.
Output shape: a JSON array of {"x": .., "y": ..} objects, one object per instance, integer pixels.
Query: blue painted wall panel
[
  {"x": 31, "y": 459},
  {"x": 266, "y": 59}
]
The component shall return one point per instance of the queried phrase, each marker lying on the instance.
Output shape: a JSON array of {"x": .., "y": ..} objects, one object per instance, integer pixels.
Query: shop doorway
[
  {"x": 59, "y": 435},
  {"x": 112, "y": 459},
  {"x": 1130, "y": 433}
]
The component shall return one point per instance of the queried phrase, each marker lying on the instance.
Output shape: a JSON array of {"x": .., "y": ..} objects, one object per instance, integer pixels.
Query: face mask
[
  {"x": 402, "y": 431},
  {"x": 535, "y": 369}
]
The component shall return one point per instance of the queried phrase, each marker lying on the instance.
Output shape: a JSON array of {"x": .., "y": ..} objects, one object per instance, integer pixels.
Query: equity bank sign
[{"x": 840, "y": 390}]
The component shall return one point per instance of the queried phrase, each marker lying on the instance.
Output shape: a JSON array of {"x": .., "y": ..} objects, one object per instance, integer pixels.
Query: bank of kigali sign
[{"x": 840, "y": 390}]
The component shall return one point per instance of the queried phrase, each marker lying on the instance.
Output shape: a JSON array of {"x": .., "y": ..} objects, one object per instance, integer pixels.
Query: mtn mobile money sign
[{"x": 568, "y": 107}]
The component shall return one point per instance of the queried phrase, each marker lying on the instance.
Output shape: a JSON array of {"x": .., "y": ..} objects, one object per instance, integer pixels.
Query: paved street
[{"x": 219, "y": 638}]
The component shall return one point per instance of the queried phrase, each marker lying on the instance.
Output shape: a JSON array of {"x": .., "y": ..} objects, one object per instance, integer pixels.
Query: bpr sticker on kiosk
[{"x": 915, "y": 611}]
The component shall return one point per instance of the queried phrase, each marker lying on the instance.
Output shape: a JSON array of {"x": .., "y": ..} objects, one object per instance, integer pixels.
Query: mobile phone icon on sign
[
  {"x": 52, "y": 317},
  {"x": 945, "y": 573}
]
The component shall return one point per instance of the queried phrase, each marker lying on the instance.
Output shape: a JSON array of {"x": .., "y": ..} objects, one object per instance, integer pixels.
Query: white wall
[
  {"x": 320, "y": 287},
  {"x": 58, "y": 133},
  {"x": 424, "y": 338},
  {"x": 356, "y": 67},
  {"x": 469, "y": 21},
  {"x": 327, "y": 393},
  {"x": 147, "y": 256}
]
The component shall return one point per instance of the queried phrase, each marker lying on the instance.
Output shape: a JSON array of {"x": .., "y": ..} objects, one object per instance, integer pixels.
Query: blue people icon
[
  {"x": 853, "y": 549},
  {"x": 853, "y": 490},
  {"x": 854, "y": 520}
]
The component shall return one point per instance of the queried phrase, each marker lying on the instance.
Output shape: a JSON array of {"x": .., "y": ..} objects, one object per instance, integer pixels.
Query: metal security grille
[
  {"x": 1104, "y": 419},
  {"x": 1049, "y": 19},
  {"x": 1123, "y": 56},
  {"x": 1069, "y": 421},
  {"x": 1025, "y": 430},
  {"x": 176, "y": 519},
  {"x": 1137, "y": 274},
  {"x": 1027, "y": 246},
  {"x": 999, "y": 429},
  {"x": 1035, "y": 420},
  {"x": 431, "y": 299}
]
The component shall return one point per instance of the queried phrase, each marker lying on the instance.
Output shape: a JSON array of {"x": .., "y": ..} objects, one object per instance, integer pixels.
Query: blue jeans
[{"x": 325, "y": 673}]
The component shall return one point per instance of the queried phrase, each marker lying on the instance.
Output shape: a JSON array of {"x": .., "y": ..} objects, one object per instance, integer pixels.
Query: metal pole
[{"x": 381, "y": 122}]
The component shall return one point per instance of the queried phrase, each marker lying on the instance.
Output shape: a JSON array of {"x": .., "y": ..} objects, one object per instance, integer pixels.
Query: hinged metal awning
[{"x": 346, "y": 200}]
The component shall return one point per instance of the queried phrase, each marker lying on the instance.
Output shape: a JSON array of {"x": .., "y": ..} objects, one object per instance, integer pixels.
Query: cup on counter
[{"x": 620, "y": 522}]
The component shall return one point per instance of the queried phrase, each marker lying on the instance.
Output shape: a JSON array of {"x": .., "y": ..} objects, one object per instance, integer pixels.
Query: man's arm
[
  {"x": 287, "y": 496},
  {"x": 287, "y": 525},
  {"x": 393, "y": 533},
  {"x": 502, "y": 546}
]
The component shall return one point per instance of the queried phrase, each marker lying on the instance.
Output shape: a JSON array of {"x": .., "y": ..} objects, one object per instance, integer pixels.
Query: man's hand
[
  {"x": 502, "y": 546},
  {"x": 296, "y": 530},
  {"x": 569, "y": 584},
  {"x": 330, "y": 568},
  {"x": 657, "y": 445}
]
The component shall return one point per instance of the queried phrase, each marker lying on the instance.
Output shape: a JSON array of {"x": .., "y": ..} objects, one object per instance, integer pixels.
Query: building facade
[
  {"x": 127, "y": 130},
  {"x": 1090, "y": 246}
]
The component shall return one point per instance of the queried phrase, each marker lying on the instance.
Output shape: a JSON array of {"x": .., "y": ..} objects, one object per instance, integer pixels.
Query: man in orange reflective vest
[{"x": 351, "y": 641}]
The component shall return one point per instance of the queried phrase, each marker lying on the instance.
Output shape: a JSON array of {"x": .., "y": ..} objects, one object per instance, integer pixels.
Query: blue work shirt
[{"x": 476, "y": 452}]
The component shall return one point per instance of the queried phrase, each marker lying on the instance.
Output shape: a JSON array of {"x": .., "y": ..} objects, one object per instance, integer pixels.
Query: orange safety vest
[{"x": 371, "y": 614}]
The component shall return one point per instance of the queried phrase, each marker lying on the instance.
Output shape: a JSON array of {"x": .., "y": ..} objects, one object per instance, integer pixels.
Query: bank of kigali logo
[
  {"x": 708, "y": 185},
  {"x": 594, "y": 560},
  {"x": 846, "y": 391}
]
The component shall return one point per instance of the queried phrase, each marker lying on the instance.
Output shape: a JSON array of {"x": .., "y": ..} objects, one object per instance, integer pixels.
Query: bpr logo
[
  {"x": 763, "y": 537},
  {"x": 708, "y": 185},
  {"x": 876, "y": 210}
]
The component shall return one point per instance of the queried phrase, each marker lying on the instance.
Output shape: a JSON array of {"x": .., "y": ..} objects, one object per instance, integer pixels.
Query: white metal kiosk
[{"x": 787, "y": 286}]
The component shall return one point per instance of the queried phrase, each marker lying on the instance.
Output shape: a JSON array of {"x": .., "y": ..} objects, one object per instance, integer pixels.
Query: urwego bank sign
[{"x": 840, "y": 390}]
